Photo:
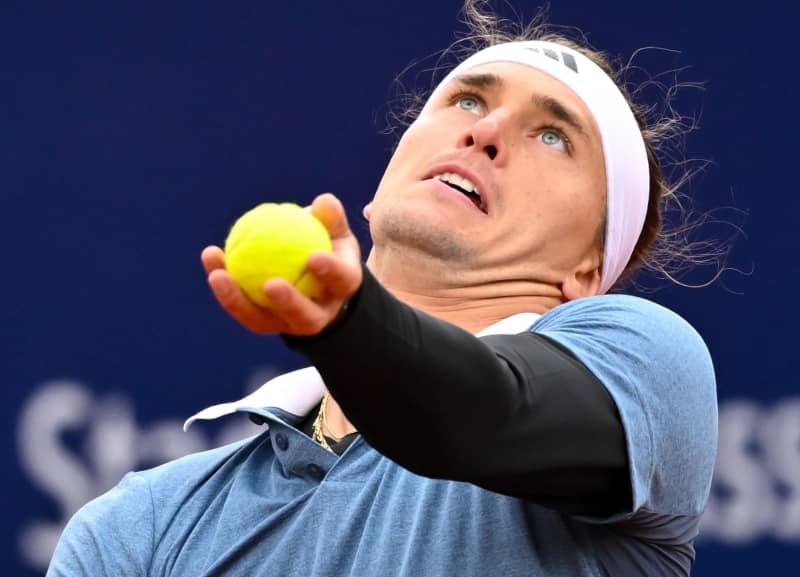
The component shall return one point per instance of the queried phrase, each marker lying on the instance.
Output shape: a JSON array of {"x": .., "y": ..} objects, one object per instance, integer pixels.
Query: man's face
[{"x": 532, "y": 150}]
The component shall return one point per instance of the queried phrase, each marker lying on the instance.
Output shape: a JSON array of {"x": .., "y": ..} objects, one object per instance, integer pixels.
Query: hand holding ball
[
  {"x": 286, "y": 241},
  {"x": 275, "y": 240}
]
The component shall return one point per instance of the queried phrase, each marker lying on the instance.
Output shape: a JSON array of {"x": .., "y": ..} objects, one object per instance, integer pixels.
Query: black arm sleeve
[{"x": 515, "y": 414}]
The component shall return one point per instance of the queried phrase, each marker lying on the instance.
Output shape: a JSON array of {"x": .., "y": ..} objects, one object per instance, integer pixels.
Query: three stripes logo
[{"x": 565, "y": 58}]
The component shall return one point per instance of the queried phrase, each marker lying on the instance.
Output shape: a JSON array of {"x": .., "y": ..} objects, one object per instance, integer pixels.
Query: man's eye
[
  {"x": 469, "y": 103},
  {"x": 554, "y": 139}
]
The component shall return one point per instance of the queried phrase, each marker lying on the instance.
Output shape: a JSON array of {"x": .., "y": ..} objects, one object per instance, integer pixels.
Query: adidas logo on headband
[{"x": 566, "y": 58}]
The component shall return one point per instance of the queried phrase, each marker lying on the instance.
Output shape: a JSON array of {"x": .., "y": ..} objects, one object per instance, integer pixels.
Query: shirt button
[
  {"x": 257, "y": 419},
  {"x": 315, "y": 471},
  {"x": 281, "y": 441}
]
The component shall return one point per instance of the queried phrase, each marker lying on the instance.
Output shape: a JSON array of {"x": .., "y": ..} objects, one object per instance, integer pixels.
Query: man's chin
[{"x": 421, "y": 233}]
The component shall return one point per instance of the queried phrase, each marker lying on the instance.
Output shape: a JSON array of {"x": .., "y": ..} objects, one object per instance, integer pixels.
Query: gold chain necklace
[{"x": 322, "y": 422}]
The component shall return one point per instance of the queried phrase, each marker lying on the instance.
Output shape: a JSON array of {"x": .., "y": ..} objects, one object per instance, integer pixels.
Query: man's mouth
[{"x": 464, "y": 186}]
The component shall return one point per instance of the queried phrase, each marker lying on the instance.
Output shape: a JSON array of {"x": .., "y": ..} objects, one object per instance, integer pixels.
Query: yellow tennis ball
[{"x": 275, "y": 240}]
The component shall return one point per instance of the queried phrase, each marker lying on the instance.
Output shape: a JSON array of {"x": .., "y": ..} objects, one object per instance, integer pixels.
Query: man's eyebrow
[
  {"x": 559, "y": 111},
  {"x": 485, "y": 80}
]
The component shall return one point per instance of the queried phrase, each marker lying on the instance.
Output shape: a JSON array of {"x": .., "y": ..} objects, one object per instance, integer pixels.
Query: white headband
[{"x": 627, "y": 169}]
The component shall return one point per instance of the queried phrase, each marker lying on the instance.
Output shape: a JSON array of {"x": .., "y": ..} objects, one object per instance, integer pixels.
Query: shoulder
[
  {"x": 197, "y": 473},
  {"x": 101, "y": 533},
  {"x": 659, "y": 372},
  {"x": 614, "y": 313},
  {"x": 629, "y": 330},
  {"x": 148, "y": 490}
]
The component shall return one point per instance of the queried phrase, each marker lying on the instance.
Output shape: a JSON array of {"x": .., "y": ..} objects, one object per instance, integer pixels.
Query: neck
[
  {"x": 467, "y": 299},
  {"x": 336, "y": 424},
  {"x": 473, "y": 314}
]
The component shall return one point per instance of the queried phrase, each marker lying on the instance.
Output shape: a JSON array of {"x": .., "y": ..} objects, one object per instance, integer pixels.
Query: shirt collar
[{"x": 297, "y": 392}]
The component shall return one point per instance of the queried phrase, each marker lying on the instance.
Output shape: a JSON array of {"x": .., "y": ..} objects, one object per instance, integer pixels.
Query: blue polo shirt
[{"x": 279, "y": 504}]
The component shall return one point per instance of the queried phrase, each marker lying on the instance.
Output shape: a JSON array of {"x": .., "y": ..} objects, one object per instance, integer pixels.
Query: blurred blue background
[{"x": 132, "y": 134}]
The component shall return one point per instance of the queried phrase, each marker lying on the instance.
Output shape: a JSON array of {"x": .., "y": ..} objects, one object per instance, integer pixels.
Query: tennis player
[{"x": 477, "y": 401}]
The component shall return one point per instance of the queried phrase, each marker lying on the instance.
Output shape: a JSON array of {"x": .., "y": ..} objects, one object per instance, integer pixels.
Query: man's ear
[
  {"x": 367, "y": 210},
  {"x": 581, "y": 284},
  {"x": 584, "y": 280}
]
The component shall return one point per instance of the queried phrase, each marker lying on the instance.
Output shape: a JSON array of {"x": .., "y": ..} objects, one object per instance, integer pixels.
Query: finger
[
  {"x": 330, "y": 211},
  {"x": 231, "y": 297},
  {"x": 213, "y": 258},
  {"x": 229, "y": 294},
  {"x": 301, "y": 315},
  {"x": 340, "y": 277}
]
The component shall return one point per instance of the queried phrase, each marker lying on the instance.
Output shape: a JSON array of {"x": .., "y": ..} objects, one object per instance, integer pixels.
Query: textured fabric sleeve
[
  {"x": 109, "y": 536},
  {"x": 659, "y": 372}
]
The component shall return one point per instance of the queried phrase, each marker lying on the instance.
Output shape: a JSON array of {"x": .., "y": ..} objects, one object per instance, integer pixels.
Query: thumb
[{"x": 330, "y": 211}]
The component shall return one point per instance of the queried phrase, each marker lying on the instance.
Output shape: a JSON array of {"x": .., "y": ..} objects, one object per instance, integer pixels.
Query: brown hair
[{"x": 666, "y": 247}]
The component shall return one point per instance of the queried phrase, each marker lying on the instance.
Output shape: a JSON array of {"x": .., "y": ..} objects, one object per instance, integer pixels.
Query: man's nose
[{"x": 487, "y": 135}]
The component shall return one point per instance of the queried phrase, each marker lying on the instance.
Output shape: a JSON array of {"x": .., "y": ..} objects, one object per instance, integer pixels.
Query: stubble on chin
[{"x": 402, "y": 231}]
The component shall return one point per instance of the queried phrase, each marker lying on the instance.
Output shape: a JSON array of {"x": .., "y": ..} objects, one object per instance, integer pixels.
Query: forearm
[{"x": 514, "y": 414}]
